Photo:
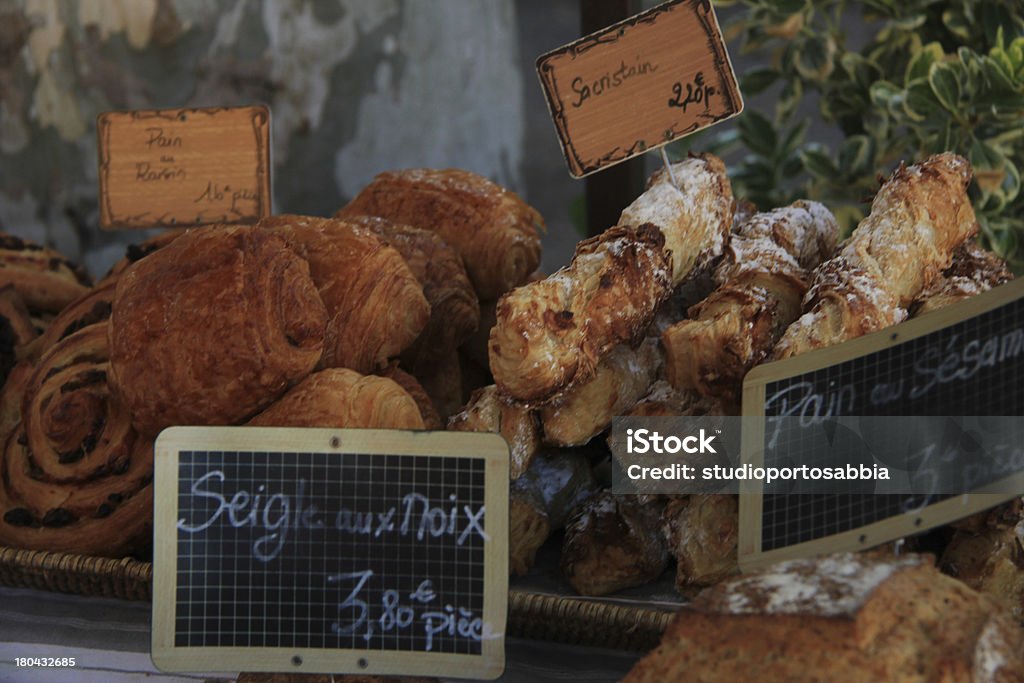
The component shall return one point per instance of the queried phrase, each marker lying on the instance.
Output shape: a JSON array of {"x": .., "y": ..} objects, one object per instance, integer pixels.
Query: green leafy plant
[{"x": 932, "y": 76}]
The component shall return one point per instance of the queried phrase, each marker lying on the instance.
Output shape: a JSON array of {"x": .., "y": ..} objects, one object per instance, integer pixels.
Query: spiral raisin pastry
[
  {"x": 74, "y": 475},
  {"x": 337, "y": 397},
  {"x": 454, "y": 310},
  {"x": 375, "y": 305},
  {"x": 46, "y": 280},
  {"x": 212, "y": 328},
  {"x": 494, "y": 231}
]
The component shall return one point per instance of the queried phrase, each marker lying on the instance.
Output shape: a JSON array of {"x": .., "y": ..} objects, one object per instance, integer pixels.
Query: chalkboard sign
[
  {"x": 962, "y": 360},
  {"x": 330, "y": 551}
]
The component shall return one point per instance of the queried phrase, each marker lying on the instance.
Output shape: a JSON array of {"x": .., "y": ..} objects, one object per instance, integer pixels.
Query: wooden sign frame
[
  {"x": 657, "y": 72},
  {"x": 176, "y": 168},
  {"x": 489, "y": 664},
  {"x": 751, "y": 555}
]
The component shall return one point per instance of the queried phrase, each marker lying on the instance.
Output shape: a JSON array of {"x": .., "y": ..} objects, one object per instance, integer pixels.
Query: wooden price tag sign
[
  {"x": 330, "y": 551},
  {"x": 174, "y": 168},
  {"x": 962, "y": 360},
  {"x": 639, "y": 84}
]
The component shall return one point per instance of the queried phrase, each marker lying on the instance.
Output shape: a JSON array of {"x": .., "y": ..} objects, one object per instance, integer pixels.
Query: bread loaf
[{"x": 847, "y": 618}]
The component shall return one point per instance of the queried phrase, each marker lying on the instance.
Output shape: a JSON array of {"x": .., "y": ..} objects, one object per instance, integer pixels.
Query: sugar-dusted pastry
[
  {"x": 528, "y": 528},
  {"x": 75, "y": 477},
  {"x": 664, "y": 400},
  {"x": 974, "y": 270},
  {"x": 844, "y": 617},
  {"x": 761, "y": 282},
  {"x": 46, "y": 280},
  {"x": 494, "y": 230},
  {"x": 702, "y": 532},
  {"x": 587, "y": 409},
  {"x": 375, "y": 305},
  {"x": 553, "y": 333},
  {"x": 918, "y": 218},
  {"x": 431, "y": 420},
  {"x": 694, "y": 214},
  {"x": 212, "y": 328},
  {"x": 488, "y": 411},
  {"x": 612, "y": 543},
  {"x": 563, "y": 478},
  {"x": 338, "y": 397},
  {"x": 454, "y": 310}
]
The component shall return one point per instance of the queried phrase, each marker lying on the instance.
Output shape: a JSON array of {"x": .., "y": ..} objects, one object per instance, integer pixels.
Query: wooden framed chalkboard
[
  {"x": 962, "y": 360},
  {"x": 330, "y": 551}
]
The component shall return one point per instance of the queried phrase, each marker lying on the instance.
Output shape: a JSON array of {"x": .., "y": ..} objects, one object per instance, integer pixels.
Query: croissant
[
  {"x": 761, "y": 282},
  {"x": 487, "y": 411},
  {"x": 338, "y": 397},
  {"x": 45, "y": 279},
  {"x": 74, "y": 475},
  {"x": 493, "y": 230},
  {"x": 212, "y": 328},
  {"x": 454, "y": 310},
  {"x": 375, "y": 305},
  {"x": 695, "y": 216},
  {"x": 431, "y": 420},
  {"x": 972, "y": 272},
  {"x": 918, "y": 218},
  {"x": 553, "y": 333},
  {"x": 587, "y": 409}
]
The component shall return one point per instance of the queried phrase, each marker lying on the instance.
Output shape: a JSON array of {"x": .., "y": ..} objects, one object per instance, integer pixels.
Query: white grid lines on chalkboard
[
  {"x": 915, "y": 364},
  {"x": 266, "y": 612}
]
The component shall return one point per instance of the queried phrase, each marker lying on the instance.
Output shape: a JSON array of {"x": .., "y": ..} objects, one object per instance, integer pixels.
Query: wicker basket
[{"x": 531, "y": 615}]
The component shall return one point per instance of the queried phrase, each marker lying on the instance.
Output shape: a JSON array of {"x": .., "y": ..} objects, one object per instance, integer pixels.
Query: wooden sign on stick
[
  {"x": 962, "y": 360},
  {"x": 175, "y": 168},
  {"x": 330, "y": 551},
  {"x": 639, "y": 84}
]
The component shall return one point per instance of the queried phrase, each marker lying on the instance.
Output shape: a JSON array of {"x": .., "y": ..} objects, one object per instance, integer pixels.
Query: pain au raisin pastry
[
  {"x": 974, "y": 270},
  {"x": 454, "y": 310},
  {"x": 761, "y": 282},
  {"x": 338, "y": 397},
  {"x": 494, "y": 231},
  {"x": 612, "y": 543},
  {"x": 849, "y": 618},
  {"x": 16, "y": 330},
  {"x": 488, "y": 411},
  {"x": 375, "y": 305},
  {"x": 213, "y": 327},
  {"x": 587, "y": 409},
  {"x": 74, "y": 475},
  {"x": 918, "y": 218},
  {"x": 553, "y": 333},
  {"x": 46, "y": 280}
]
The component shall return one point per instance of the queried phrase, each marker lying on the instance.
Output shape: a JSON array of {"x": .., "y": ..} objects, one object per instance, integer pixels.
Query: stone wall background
[{"x": 354, "y": 86}]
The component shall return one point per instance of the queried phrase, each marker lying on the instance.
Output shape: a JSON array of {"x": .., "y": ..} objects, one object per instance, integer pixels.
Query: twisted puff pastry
[
  {"x": 487, "y": 411},
  {"x": 212, "y": 328},
  {"x": 918, "y": 218},
  {"x": 74, "y": 475},
  {"x": 494, "y": 230},
  {"x": 973, "y": 271},
  {"x": 375, "y": 305},
  {"x": 761, "y": 281}
]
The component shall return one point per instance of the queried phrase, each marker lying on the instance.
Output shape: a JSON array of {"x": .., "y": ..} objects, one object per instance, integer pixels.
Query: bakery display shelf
[{"x": 537, "y": 616}]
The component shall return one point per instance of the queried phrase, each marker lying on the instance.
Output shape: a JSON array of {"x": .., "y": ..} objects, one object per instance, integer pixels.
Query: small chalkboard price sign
[
  {"x": 175, "y": 168},
  {"x": 965, "y": 359},
  {"x": 639, "y": 84},
  {"x": 330, "y": 551}
]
